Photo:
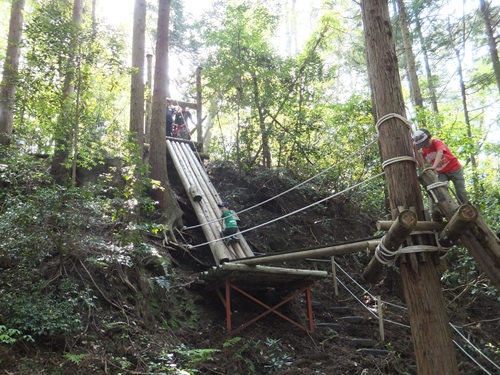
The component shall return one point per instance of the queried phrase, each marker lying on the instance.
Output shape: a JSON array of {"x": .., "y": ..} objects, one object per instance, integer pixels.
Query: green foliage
[
  {"x": 75, "y": 358},
  {"x": 278, "y": 360},
  {"x": 11, "y": 336},
  {"x": 181, "y": 361},
  {"x": 42, "y": 310},
  {"x": 244, "y": 350},
  {"x": 42, "y": 114}
]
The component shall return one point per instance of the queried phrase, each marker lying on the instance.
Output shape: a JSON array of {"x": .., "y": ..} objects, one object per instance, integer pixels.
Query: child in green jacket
[{"x": 230, "y": 224}]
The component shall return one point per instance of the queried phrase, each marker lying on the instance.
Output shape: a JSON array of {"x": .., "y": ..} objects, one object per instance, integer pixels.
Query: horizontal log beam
[
  {"x": 181, "y": 103},
  {"x": 400, "y": 229},
  {"x": 421, "y": 225},
  {"x": 322, "y": 252},
  {"x": 233, "y": 266}
]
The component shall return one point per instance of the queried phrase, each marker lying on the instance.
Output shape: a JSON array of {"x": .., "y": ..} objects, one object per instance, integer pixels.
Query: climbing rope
[
  {"x": 389, "y": 116},
  {"x": 388, "y": 257},
  {"x": 435, "y": 185},
  {"x": 398, "y": 159},
  {"x": 296, "y": 211},
  {"x": 289, "y": 190}
]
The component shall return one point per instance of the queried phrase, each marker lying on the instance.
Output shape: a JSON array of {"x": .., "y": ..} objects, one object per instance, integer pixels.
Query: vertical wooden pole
[
  {"x": 199, "y": 107},
  {"x": 380, "y": 318},
  {"x": 334, "y": 272},
  {"x": 434, "y": 350},
  {"x": 228, "y": 304},
  {"x": 309, "y": 309}
]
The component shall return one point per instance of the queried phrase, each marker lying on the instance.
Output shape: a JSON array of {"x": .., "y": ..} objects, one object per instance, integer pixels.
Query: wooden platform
[{"x": 259, "y": 277}]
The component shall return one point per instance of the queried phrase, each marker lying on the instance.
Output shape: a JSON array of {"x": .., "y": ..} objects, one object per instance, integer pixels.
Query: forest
[{"x": 99, "y": 264}]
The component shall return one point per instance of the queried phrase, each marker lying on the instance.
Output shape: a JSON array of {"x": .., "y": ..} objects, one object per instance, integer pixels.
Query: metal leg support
[{"x": 227, "y": 304}]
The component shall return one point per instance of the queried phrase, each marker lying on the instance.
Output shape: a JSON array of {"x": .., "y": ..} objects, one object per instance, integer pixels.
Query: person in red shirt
[{"x": 439, "y": 156}]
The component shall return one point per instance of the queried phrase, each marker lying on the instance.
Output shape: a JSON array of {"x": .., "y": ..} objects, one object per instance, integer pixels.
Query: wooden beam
[
  {"x": 193, "y": 144},
  {"x": 194, "y": 193},
  {"x": 421, "y": 225},
  {"x": 400, "y": 229},
  {"x": 322, "y": 252},
  {"x": 272, "y": 270},
  {"x": 480, "y": 240},
  {"x": 462, "y": 220},
  {"x": 182, "y": 103}
]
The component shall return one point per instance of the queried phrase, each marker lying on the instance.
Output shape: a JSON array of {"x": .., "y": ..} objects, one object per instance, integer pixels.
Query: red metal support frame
[{"x": 227, "y": 304}]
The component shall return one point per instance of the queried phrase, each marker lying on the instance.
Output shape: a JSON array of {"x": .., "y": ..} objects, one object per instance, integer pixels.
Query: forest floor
[{"x": 133, "y": 327}]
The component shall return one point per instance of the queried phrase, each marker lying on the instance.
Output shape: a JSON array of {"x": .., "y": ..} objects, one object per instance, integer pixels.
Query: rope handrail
[
  {"x": 294, "y": 212},
  {"x": 291, "y": 189},
  {"x": 404, "y": 325}
]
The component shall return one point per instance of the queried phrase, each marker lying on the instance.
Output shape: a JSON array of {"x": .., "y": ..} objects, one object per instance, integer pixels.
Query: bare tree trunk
[
  {"x": 416, "y": 95},
  {"x": 463, "y": 90},
  {"x": 165, "y": 197},
  {"x": 77, "y": 119},
  {"x": 137, "y": 85},
  {"x": 94, "y": 18},
  {"x": 10, "y": 71},
  {"x": 63, "y": 132},
  {"x": 430, "y": 79},
  {"x": 149, "y": 85},
  {"x": 199, "y": 128},
  {"x": 266, "y": 153},
  {"x": 485, "y": 10},
  {"x": 426, "y": 308}
]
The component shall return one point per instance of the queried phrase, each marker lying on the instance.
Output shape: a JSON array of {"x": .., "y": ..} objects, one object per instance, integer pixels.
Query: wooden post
[
  {"x": 199, "y": 120},
  {"x": 462, "y": 220},
  {"x": 402, "y": 227},
  {"x": 480, "y": 240},
  {"x": 380, "y": 319},
  {"x": 334, "y": 273},
  {"x": 431, "y": 335}
]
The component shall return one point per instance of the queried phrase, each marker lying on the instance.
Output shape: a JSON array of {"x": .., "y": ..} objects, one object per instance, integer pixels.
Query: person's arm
[
  {"x": 418, "y": 157},
  {"x": 439, "y": 156}
]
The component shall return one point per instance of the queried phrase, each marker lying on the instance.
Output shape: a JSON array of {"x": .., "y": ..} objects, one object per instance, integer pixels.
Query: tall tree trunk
[
  {"x": 94, "y": 17},
  {"x": 430, "y": 79},
  {"x": 485, "y": 10},
  {"x": 416, "y": 95},
  {"x": 137, "y": 85},
  {"x": 63, "y": 131},
  {"x": 266, "y": 153},
  {"x": 426, "y": 308},
  {"x": 199, "y": 106},
  {"x": 165, "y": 197},
  {"x": 149, "y": 96},
  {"x": 10, "y": 71},
  {"x": 463, "y": 90}
]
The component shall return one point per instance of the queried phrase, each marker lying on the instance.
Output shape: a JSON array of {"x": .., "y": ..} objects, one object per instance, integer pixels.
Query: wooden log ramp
[
  {"x": 204, "y": 199},
  {"x": 481, "y": 242}
]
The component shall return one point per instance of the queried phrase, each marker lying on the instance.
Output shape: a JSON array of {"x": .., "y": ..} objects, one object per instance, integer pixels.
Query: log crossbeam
[
  {"x": 462, "y": 220},
  {"x": 395, "y": 237},
  {"x": 229, "y": 285}
]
